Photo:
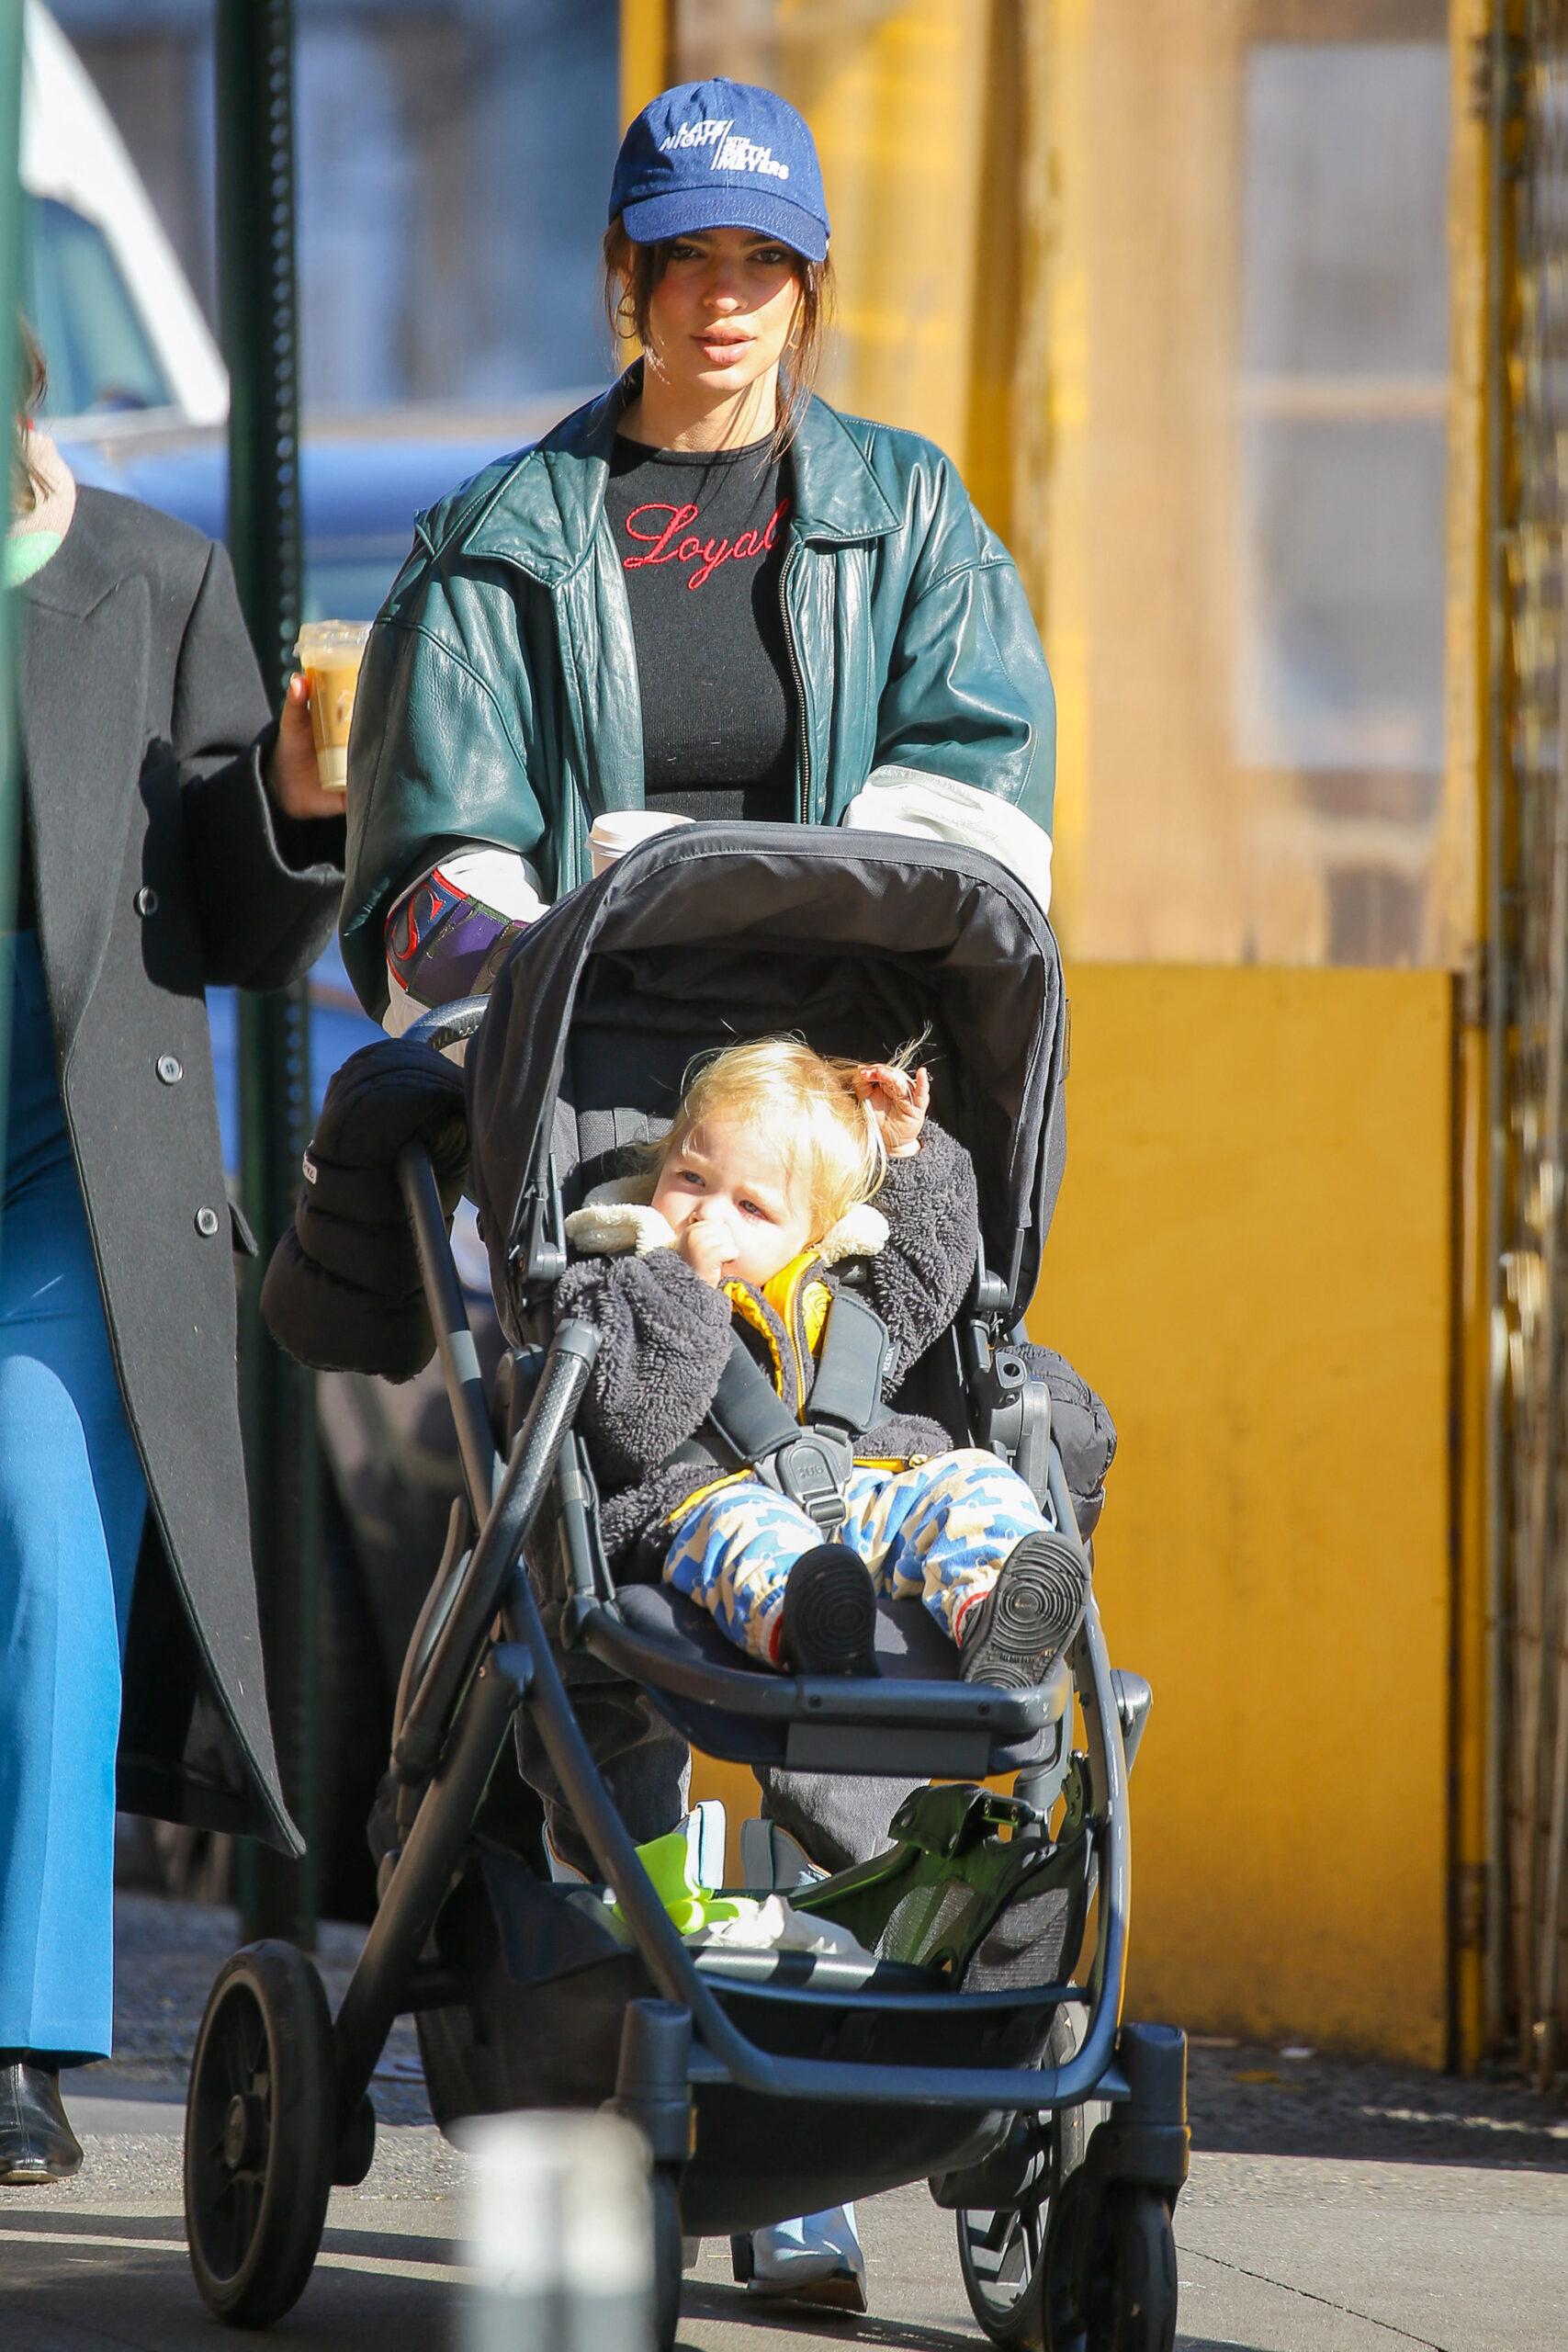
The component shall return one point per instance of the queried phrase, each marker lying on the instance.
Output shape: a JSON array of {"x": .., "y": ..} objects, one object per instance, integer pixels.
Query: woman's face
[{"x": 719, "y": 318}]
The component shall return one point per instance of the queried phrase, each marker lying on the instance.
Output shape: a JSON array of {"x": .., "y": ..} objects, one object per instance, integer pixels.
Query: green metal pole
[
  {"x": 10, "y": 358},
  {"x": 256, "y": 231}
]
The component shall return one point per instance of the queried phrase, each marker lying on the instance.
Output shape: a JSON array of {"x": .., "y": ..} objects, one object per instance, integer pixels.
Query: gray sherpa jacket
[{"x": 664, "y": 1333}]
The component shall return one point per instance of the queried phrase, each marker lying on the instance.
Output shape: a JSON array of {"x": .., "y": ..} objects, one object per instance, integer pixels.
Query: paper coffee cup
[
  {"x": 329, "y": 653},
  {"x": 612, "y": 836}
]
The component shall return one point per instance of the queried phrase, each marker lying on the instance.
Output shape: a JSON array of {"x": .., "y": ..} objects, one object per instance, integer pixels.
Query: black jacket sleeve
[
  {"x": 664, "y": 1340},
  {"x": 266, "y": 886},
  {"x": 918, "y": 1280},
  {"x": 344, "y": 1292}
]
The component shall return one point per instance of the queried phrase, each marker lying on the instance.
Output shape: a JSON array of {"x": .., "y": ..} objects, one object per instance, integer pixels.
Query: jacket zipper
[
  {"x": 803, "y": 765},
  {"x": 795, "y": 1323}
]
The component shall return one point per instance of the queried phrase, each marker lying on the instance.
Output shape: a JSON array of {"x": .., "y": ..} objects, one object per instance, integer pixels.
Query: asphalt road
[{"x": 1332, "y": 2208}]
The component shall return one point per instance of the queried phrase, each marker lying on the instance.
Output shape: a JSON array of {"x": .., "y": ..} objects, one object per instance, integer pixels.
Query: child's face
[{"x": 731, "y": 1176}]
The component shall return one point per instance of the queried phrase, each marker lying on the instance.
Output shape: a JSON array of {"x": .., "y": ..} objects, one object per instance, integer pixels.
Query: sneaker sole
[
  {"x": 839, "y": 2292},
  {"x": 1034, "y": 1611},
  {"x": 831, "y": 1627}
]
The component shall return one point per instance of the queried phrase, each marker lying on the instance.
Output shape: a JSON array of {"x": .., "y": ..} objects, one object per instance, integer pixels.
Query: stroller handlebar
[{"x": 448, "y": 1025}]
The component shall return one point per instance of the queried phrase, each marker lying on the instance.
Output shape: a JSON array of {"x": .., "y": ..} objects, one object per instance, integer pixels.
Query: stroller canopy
[{"x": 710, "y": 934}]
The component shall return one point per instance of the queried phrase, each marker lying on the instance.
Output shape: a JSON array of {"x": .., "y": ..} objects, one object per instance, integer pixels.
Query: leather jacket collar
[{"x": 544, "y": 513}]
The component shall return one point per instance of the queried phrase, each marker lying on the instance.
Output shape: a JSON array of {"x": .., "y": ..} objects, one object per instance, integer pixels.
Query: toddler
[{"x": 783, "y": 1167}]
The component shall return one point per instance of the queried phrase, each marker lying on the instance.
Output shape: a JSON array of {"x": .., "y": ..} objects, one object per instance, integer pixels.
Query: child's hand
[
  {"x": 707, "y": 1244},
  {"x": 898, "y": 1101}
]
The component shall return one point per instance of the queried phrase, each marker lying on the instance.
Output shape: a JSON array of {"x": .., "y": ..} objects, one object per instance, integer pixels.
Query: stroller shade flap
[{"x": 714, "y": 933}]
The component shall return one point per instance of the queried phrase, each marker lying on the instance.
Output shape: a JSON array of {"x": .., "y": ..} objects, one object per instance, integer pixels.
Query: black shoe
[
  {"x": 37, "y": 2143},
  {"x": 829, "y": 1614},
  {"x": 1016, "y": 1634}
]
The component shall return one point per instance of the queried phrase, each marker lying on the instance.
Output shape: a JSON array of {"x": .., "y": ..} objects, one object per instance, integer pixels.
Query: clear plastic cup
[{"x": 329, "y": 653}]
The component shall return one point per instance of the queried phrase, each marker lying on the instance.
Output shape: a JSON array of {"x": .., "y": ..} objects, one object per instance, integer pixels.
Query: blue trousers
[
  {"x": 73, "y": 1500},
  {"x": 937, "y": 1531}
]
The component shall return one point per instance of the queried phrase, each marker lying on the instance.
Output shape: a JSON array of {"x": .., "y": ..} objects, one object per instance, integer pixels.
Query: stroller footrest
[
  {"x": 680, "y": 1668},
  {"x": 957, "y": 1755}
]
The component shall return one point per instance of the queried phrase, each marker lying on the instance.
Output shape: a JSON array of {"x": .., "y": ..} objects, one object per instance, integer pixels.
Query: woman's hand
[
  {"x": 291, "y": 773},
  {"x": 898, "y": 1101}
]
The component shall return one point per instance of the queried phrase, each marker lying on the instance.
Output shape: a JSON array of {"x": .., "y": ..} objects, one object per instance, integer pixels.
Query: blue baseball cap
[{"x": 720, "y": 154}]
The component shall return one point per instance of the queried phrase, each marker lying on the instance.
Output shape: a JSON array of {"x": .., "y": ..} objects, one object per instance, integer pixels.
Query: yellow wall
[{"x": 1251, "y": 1260}]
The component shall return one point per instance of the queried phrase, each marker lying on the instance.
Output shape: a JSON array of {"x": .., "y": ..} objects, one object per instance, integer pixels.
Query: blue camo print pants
[{"x": 938, "y": 1531}]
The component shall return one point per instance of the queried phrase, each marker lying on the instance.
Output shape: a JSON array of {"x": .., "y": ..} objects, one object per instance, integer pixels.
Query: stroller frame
[{"x": 459, "y": 1705}]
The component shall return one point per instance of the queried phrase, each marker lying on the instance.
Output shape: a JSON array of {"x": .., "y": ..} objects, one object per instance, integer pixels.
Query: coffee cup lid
[{"x": 318, "y": 640}]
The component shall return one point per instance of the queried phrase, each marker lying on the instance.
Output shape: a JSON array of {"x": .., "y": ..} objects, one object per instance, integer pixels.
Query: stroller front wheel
[
  {"x": 1118, "y": 2293},
  {"x": 258, "y": 2151}
]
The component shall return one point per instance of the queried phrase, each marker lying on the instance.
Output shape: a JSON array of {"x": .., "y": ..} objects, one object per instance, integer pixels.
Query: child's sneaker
[
  {"x": 1016, "y": 1633},
  {"x": 828, "y": 1621}
]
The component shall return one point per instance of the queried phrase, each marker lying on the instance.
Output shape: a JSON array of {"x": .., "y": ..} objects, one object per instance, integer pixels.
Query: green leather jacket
[{"x": 498, "y": 705}]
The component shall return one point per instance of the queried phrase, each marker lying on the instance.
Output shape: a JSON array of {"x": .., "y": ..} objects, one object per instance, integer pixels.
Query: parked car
[{"x": 127, "y": 342}]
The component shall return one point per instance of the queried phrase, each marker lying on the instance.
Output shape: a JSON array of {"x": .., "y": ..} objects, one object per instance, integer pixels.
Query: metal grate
[{"x": 1531, "y": 1031}]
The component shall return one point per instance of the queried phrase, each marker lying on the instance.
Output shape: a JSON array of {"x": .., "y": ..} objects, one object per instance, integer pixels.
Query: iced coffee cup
[
  {"x": 613, "y": 835},
  {"x": 329, "y": 653}
]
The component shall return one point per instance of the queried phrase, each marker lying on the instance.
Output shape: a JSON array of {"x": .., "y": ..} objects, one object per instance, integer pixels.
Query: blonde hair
[{"x": 801, "y": 1102}]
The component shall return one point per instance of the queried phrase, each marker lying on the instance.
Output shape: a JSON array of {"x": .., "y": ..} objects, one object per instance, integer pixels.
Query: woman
[
  {"x": 709, "y": 594},
  {"x": 171, "y": 838},
  {"x": 804, "y": 600}
]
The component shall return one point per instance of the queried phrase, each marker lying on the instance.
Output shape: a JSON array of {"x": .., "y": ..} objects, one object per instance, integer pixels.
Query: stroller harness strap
[{"x": 749, "y": 1426}]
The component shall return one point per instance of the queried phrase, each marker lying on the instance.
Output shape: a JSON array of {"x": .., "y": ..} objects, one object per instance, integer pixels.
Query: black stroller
[{"x": 767, "y": 2084}]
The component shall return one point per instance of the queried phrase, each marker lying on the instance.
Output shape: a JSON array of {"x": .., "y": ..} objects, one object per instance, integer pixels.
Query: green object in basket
[
  {"x": 672, "y": 1865},
  {"x": 949, "y": 1881}
]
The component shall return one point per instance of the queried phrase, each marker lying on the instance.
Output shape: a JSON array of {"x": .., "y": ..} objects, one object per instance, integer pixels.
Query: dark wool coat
[
  {"x": 160, "y": 867},
  {"x": 664, "y": 1340}
]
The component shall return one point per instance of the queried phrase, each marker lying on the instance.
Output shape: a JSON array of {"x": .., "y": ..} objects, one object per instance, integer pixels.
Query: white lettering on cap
[
  {"x": 728, "y": 154},
  {"x": 709, "y": 131},
  {"x": 740, "y": 155}
]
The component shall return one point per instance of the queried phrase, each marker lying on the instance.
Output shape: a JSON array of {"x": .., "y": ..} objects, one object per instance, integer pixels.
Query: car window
[{"x": 99, "y": 356}]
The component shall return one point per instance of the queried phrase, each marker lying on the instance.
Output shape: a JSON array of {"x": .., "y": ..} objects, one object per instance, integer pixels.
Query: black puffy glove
[{"x": 342, "y": 1291}]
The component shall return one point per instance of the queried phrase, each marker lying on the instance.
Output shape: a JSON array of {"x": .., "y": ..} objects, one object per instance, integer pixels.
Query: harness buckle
[{"x": 813, "y": 1470}]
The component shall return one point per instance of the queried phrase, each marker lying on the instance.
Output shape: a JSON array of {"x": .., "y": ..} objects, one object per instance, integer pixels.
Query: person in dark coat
[{"x": 172, "y": 839}]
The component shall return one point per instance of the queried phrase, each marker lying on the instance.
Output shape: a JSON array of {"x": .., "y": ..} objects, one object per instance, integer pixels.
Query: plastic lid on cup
[
  {"x": 324, "y": 641},
  {"x": 620, "y": 829}
]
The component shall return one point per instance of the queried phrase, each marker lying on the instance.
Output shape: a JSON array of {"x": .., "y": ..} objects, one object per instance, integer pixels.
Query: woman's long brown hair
[
  {"x": 632, "y": 272},
  {"x": 27, "y": 483}
]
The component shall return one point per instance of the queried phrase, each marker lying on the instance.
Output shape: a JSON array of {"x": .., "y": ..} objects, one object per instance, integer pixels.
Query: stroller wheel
[
  {"x": 669, "y": 2258},
  {"x": 1002, "y": 2256},
  {"x": 1118, "y": 2293},
  {"x": 258, "y": 2151}
]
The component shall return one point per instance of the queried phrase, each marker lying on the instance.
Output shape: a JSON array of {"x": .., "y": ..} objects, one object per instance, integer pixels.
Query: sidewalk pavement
[{"x": 1332, "y": 2208}]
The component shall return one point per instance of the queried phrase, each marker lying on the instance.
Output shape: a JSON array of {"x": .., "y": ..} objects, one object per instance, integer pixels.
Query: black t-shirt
[{"x": 701, "y": 536}]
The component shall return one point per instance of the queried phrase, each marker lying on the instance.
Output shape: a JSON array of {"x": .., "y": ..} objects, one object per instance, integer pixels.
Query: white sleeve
[{"x": 940, "y": 809}]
